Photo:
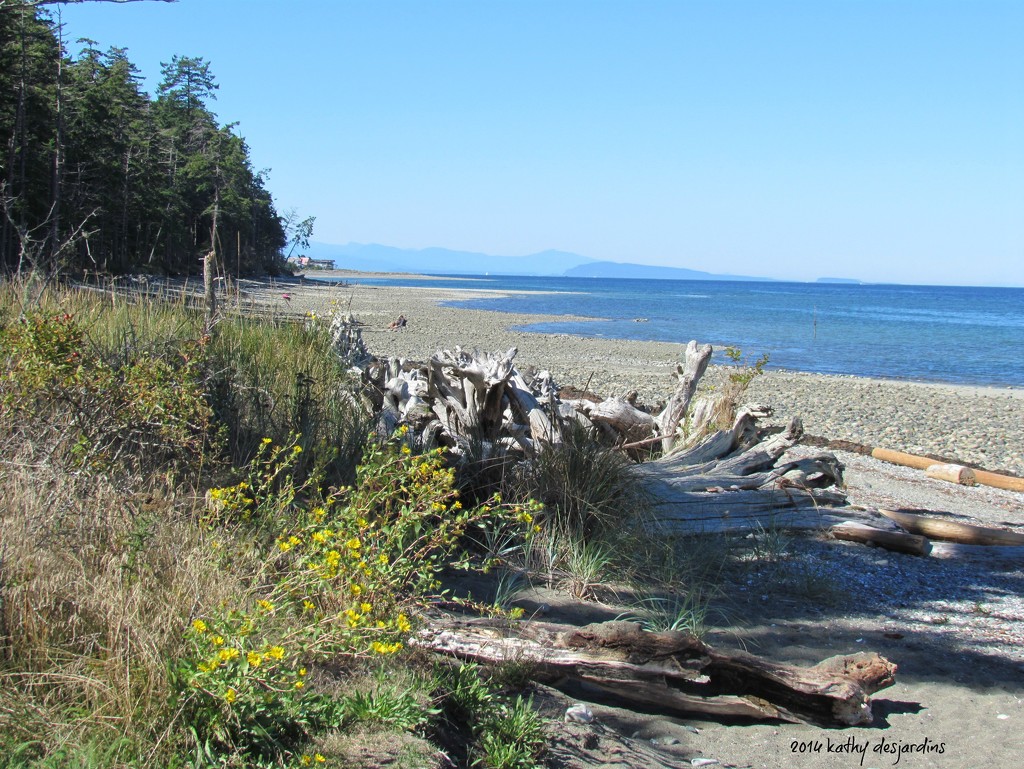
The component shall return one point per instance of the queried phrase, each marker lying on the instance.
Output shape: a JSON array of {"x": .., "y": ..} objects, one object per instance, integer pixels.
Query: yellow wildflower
[
  {"x": 254, "y": 659},
  {"x": 403, "y": 624},
  {"x": 266, "y": 441},
  {"x": 217, "y": 640},
  {"x": 353, "y": 544},
  {"x": 276, "y": 652},
  {"x": 199, "y": 626},
  {"x": 265, "y": 605},
  {"x": 365, "y": 608},
  {"x": 356, "y": 588},
  {"x": 308, "y": 606},
  {"x": 228, "y": 654},
  {"x": 300, "y": 684},
  {"x": 230, "y": 695}
]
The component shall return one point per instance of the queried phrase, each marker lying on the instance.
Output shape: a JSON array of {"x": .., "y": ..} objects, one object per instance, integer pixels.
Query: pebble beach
[
  {"x": 981, "y": 426},
  {"x": 955, "y": 629}
]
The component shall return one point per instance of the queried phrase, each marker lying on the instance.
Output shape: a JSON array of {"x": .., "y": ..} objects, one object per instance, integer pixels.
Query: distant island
[
  {"x": 844, "y": 281},
  {"x": 373, "y": 257}
]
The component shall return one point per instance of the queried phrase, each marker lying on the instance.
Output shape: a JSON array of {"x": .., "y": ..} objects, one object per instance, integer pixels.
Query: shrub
[
  {"x": 343, "y": 572},
  {"x": 135, "y": 415},
  {"x": 586, "y": 488}
]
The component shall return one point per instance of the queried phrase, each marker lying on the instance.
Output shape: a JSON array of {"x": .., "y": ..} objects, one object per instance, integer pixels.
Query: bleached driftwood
[
  {"x": 479, "y": 405},
  {"x": 952, "y": 473},
  {"x": 695, "y": 363},
  {"x": 897, "y": 541},
  {"x": 628, "y": 422},
  {"x": 672, "y": 672}
]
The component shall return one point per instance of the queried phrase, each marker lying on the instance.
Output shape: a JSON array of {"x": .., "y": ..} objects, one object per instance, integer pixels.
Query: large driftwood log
[
  {"x": 727, "y": 484},
  {"x": 671, "y": 671},
  {"x": 1008, "y": 556},
  {"x": 954, "y": 531},
  {"x": 480, "y": 406}
]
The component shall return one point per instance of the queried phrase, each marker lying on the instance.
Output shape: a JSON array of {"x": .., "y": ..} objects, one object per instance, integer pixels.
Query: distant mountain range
[{"x": 372, "y": 257}]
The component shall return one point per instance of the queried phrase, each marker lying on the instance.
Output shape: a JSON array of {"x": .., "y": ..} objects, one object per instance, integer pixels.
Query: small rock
[
  {"x": 580, "y": 714},
  {"x": 704, "y": 761}
]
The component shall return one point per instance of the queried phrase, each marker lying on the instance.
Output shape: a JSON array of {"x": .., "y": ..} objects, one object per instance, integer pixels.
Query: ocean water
[{"x": 963, "y": 335}]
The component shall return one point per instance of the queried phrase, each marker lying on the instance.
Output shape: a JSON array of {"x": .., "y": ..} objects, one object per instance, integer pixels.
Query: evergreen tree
[{"x": 87, "y": 159}]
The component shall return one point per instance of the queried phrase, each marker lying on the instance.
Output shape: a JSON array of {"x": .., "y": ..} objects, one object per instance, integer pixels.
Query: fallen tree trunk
[
  {"x": 735, "y": 511},
  {"x": 984, "y": 477},
  {"x": 671, "y": 671},
  {"x": 898, "y": 541},
  {"x": 954, "y": 531},
  {"x": 721, "y": 486},
  {"x": 987, "y": 555}
]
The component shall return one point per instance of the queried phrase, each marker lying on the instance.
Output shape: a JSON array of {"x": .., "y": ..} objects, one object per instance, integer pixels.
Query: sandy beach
[{"x": 955, "y": 629}]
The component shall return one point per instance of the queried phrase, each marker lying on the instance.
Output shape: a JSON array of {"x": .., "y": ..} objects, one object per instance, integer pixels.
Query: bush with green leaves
[
  {"x": 138, "y": 412},
  {"x": 343, "y": 573}
]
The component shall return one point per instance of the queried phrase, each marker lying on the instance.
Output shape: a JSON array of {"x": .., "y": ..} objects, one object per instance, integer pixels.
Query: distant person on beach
[{"x": 397, "y": 324}]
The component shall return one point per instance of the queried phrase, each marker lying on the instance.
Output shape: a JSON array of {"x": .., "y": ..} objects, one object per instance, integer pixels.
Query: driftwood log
[
  {"x": 954, "y": 531},
  {"x": 898, "y": 541},
  {"x": 670, "y": 672},
  {"x": 480, "y": 407}
]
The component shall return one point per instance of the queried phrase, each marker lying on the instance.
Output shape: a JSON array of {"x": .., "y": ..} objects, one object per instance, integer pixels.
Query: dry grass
[{"x": 98, "y": 584}]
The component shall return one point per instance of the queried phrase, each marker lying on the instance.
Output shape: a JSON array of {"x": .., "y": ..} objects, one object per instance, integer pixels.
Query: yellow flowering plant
[{"x": 345, "y": 571}]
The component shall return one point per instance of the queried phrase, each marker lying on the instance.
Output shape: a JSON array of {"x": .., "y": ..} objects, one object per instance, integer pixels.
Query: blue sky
[{"x": 870, "y": 139}]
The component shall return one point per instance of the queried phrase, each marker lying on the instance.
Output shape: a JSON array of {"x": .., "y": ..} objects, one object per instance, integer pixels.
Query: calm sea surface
[{"x": 928, "y": 333}]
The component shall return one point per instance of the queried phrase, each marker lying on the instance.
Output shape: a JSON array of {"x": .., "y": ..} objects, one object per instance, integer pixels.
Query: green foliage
[
  {"x": 511, "y": 736},
  {"x": 586, "y": 488},
  {"x": 746, "y": 371},
  {"x": 503, "y": 733},
  {"x": 342, "y": 571},
  {"x": 139, "y": 413},
  {"x": 85, "y": 147},
  {"x": 686, "y": 613},
  {"x": 278, "y": 380},
  {"x": 394, "y": 702}
]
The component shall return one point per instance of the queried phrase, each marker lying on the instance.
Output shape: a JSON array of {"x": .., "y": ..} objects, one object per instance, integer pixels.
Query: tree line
[{"x": 97, "y": 175}]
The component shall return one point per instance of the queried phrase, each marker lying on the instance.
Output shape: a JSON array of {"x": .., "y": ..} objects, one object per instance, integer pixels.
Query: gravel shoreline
[
  {"x": 982, "y": 426},
  {"x": 956, "y": 629}
]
